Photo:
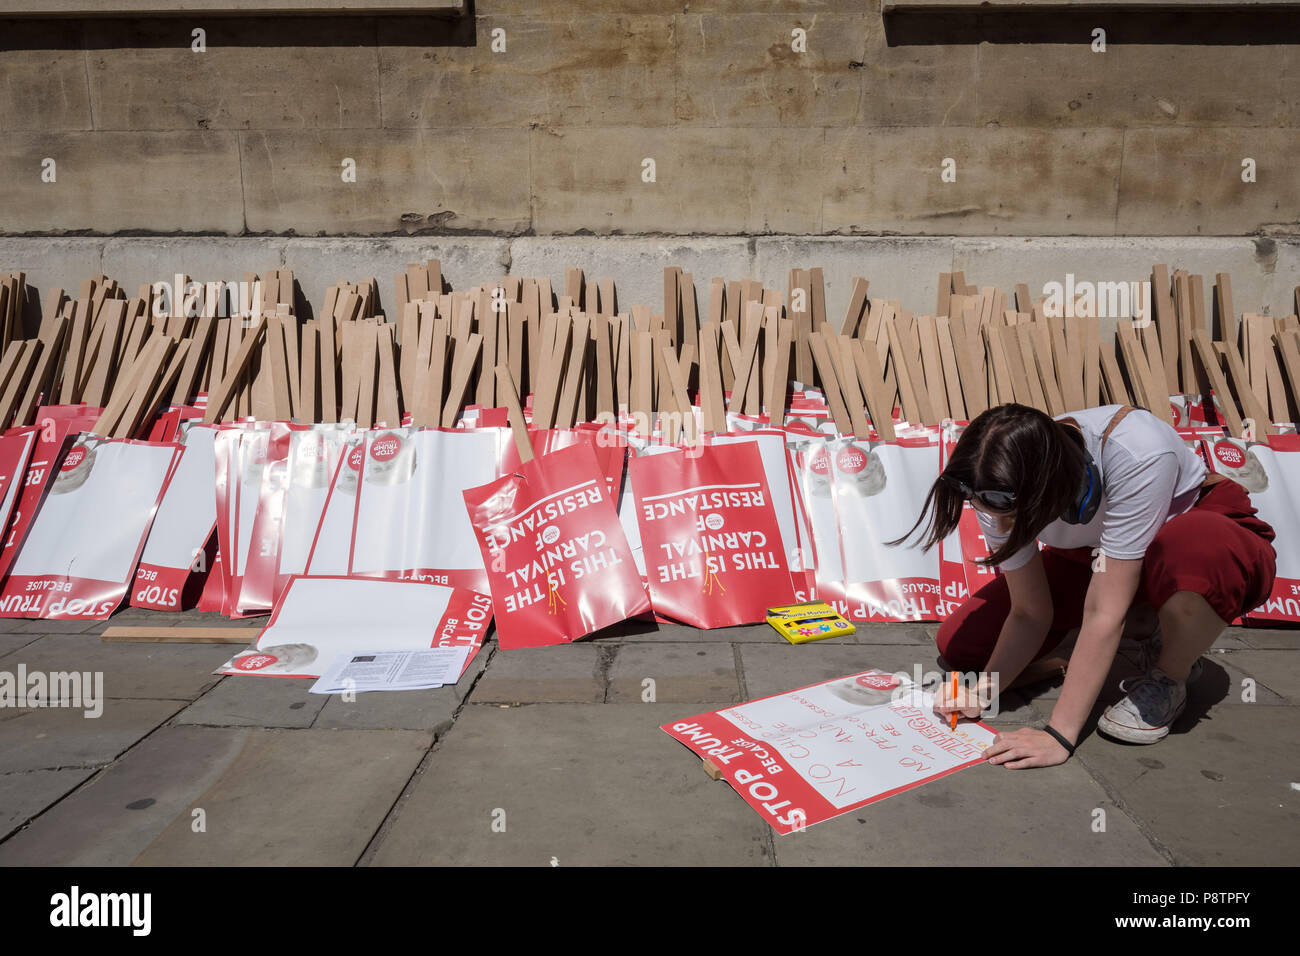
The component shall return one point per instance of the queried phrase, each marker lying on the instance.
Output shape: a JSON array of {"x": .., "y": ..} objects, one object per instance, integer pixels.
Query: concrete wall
[
  {"x": 1264, "y": 271},
  {"x": 548, "y": 137}
]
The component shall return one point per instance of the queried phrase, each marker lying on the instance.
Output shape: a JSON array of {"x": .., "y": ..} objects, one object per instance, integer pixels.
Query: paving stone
[
  {"x": 688, "y": 673},
  {"x": 48, "y": 738},
  {"x": 295, "y": 798},
  {"x": 578, "y": 785},
  {"x": 637, "y": 631},
  {"x": 146, "y": 669},
  {"x": 14, "y": 625},
  {"x": 568, "y": 672},
  {"x": 270, "y": 797},
  {"x": 1220, "y": 795},
  {"x": 256, "y": 702},
  {"x": 13, "y": 642},
  {"x": 779, "y": 668},
  {"x": 982, "y": 816},
  {"x": 118, "y": 814},
  {"x": 1277, "y": 670},
  {"x": 920, "y": 634},
  {"x": 391, "y": 710},
  {"x": 1271, "y": 638},
  {"x": 745, "y": 634},
  {"x": 25, "y": 794}
]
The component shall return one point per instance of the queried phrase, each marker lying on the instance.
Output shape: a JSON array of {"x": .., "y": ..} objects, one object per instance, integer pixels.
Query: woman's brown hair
[{"x": 1008, "y": 448}]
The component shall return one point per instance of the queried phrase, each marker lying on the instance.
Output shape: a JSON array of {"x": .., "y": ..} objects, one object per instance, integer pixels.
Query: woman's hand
[
  {"x": 966, "y": 701},
  {"x": 1026, "y": 747}
]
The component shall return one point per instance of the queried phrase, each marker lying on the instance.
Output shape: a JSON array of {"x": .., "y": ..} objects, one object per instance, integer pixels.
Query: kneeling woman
[{"x": 1113, "y": 488}]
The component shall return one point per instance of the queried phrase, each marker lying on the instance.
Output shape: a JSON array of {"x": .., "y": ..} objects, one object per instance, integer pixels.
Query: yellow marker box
[{"x": 801, "y": 623}]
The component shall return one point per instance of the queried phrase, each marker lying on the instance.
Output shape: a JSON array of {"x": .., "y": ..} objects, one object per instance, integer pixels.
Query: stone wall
[{"x": 748, "y": 137}]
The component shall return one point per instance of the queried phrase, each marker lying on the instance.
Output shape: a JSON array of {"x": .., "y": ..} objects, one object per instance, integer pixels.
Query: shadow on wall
[
  {"x": 160, "y": 32},
  {"x": 1229, "y": 25}
]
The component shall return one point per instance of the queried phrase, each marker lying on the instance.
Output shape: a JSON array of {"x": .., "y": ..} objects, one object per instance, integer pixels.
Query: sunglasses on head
[{"x": 994, "y": 500}]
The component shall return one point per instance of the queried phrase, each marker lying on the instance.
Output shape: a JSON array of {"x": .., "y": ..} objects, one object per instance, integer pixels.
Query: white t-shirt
[{"x": 1148, "y": 476}]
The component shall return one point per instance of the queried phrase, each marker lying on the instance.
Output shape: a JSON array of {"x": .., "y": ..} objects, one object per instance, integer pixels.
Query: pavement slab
[
  {"x": 50, "y": 738},
  {"x": 981, "y": 816},
  {"x": 294, "y": 798},
  {"x": 679, "y": 673},
  {"x": 563, "y": 673},
  {"x": 256, "y": 702},
  {"x": 25, "y": 794},
  {"x": 1220, "y": 795},
  {"x": 131, "y": 670},
  {"x": 568, "y": 785}
]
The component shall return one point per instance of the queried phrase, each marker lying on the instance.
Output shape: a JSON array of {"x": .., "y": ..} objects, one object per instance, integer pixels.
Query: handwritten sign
[{"x": 808, "y": 755}]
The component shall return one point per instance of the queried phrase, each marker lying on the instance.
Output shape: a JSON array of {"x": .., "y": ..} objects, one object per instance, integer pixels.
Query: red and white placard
[
  {"x": 86, "y": 540},
  {"x": 318, "y": 619},
  {"x": 711, "y": 540},
  {"x": 558, "y": 564},
  {"x": 810, "y": 754}
]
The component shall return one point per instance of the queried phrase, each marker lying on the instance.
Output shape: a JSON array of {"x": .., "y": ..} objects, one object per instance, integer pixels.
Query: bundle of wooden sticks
[{"x": 582, "y": 360}]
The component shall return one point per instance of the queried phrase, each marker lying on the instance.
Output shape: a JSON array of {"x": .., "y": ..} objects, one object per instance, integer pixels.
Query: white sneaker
[{"x": 1154, "y": 702}]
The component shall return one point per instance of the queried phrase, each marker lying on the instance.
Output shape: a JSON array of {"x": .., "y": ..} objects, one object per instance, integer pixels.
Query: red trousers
[{"x": 1219, "y": 549}]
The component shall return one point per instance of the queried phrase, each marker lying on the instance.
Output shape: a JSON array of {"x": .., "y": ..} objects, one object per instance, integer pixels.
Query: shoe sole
[{"x": 1136, "y": 735}]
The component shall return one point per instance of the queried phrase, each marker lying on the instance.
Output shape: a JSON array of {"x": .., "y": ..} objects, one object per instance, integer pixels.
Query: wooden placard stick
[
  {"x": 158, "y": 395},
  {"x": 220, "y": 399},
  {"x": 367, "y": 346},
  {"x": 1286, "y": 344},
  {"x": 485, "y": 390},
  {"x": 1041, "y": 347},
  {"x": 215, "y": 366},
  {"x": 1253, "y": 327},
  {"x": 76, "y": 348},
  {"x": 1277, "y": 400},
  {"x": 387, "y": 409},
  {"x": 677, "y": 383},
  {"x": 857, "y": 310},
  {"x": 40, "y": 382},
  {"x": 690, "y": 314},
  {"x": 851, "y": 390},
  {"x": 9, "y": 400},
  {"x": 771, "y": 332},
  {"x": 133, "y": 416},
  {"x": 970, "y": 367},
  {"x": 281, "y": 403},
  {"x": 566, "y": 413},
  {"x": 1021, "y": 341},
  {"x": 642, "y": 383},
  {"x": 1254, "y": 408},
  {"x": 951, "y": 376},
  {"x": 308, "y": 408},
  {"x": 831, "y": 387},
  {"x": 263, "y": 393},
  {"x": 817, "y": 284},
  {"x": 872, "y": 378},
  {"x": 429, "y": 403},
  {"x": 515, "y": 313},
  {"x": 1149, "y": 337},
  {"x": 292, "y": 355},
  {"x": 1116, "y": 391},
  {"x": 915, "y": 402},
  {"x": 743, "y": 361},
  {"x": 1001, "y": 388},
  {"x": 401, "y": 292},
  {"x": 753, "y": 322},
  {"x": 553, "y": 365},
  {"x": 1139, "y": 375},
  {"x": 779, "y": 383},
  {"x": 9, "y": 361},
  {"x": 462, "y": 366},
  {"x": 518, "y": 427},
  {"x": 187, "y": 381},
  {"x": 95, "y": 391},
  {"x": 623, "y": 366},
  {"x": 943, "y": 303},
  {"x": 932, "y": 366},
  {"x": 712, "y": 406},
  {"x": 1209, "y": 360},
  {"x": 605, "y": 408}
]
